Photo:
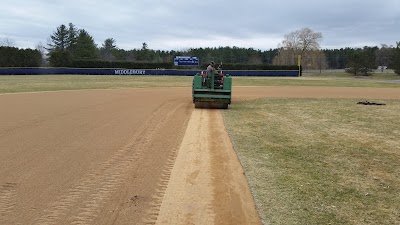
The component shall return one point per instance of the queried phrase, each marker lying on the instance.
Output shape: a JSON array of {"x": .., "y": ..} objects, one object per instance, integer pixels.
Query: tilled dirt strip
[{"x": 207, "y": 184}]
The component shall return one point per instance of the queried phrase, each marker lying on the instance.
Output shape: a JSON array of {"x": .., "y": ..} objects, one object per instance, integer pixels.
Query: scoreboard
[{"x": 186, "y": 61}]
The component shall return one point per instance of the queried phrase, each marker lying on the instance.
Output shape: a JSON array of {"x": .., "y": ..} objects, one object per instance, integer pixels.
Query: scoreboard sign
[{"x": 186, "y": 61}]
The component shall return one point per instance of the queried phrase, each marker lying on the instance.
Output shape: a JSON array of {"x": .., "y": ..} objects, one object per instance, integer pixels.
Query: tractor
[{"x": 212, "y": 90}]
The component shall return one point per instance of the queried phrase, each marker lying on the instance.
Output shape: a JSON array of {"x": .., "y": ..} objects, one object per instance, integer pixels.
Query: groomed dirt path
[
  {"x": 128, "y": 156},
  {"x": 87, "y": 157},
  {"x": 207, "y": 184}
]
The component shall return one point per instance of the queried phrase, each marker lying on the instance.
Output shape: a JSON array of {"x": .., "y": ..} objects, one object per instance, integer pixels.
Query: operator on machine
[{"x": 211, "y": 69}]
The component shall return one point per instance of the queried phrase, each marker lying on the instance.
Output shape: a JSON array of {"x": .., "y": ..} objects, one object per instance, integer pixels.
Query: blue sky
[{"x": 180, "y": 24}]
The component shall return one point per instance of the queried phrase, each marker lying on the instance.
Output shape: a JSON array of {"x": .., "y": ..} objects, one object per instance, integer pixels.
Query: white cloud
[{"x": 181, "y": 24}]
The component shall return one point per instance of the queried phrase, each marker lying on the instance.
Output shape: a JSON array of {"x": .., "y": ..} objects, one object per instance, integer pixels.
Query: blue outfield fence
[{"x": 157, "y": 72}]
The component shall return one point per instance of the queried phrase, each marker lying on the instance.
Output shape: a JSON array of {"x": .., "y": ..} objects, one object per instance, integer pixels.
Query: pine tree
[
  {"x": 85, "y": 46},
  {"x": 396, "y": 58},
  {"x": 108, "y": 48},
  {"x": 59, "y": 39},
  {"x": 71, "y": 38}
]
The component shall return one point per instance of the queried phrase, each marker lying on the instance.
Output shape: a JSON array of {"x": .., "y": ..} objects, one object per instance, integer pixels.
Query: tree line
[
  {"x": 357, "y": 61},
  {"x": 15, "y": 57},
  {"x": 71, "y": 46}
]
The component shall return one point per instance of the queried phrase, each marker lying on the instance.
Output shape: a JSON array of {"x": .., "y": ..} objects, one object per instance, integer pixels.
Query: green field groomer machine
[{"x": 212, "y": 90}]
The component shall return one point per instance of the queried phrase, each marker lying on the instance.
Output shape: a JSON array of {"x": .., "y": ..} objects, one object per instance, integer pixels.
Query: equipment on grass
[
  {"x": 212, "y": 90},
  {"x": 369, "y": 103}
]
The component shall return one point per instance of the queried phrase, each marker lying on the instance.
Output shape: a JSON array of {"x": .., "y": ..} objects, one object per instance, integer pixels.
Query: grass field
[
  {"x": 320, "y": 161},
  {"x": 326, "y": 80},
  {"x": 13, "y": 84},
  {"x": 308, "y": 161}
]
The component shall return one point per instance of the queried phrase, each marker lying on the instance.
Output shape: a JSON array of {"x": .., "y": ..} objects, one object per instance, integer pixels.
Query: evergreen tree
[
  {"x": 109, "y": 49},
  {"x": 59, "y": 39},
  {"x": 362, "y": 61},
  {"x": 15, "y": 57},
  {"x": 396, "y": 58},
  {"x": 85, "y": 46},
  {"x": 62, "y": 46},
  {"x": 71, "y": 38}
]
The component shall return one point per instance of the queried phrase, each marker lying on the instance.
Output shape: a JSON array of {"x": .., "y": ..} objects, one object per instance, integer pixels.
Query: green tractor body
[{"x": 212, "y": 90}]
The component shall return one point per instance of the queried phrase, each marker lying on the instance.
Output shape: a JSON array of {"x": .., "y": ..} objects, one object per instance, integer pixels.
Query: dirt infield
[
  {"x": 128, "y": 156},
  {"x": 87, "y": 157}
]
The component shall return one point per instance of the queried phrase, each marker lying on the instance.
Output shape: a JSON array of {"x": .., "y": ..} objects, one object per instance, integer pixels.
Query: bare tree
[
  {"x": 145, "y": 46},
  {"x": 43, "y": 51},
  {"x": 8, "y": 42},
  {"x": 303, "y": 42},
  {"x": 284, "y": 57}
]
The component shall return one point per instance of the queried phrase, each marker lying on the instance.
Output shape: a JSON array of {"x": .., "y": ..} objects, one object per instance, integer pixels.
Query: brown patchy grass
[
  {"x": 316, "y": 161},
  {"x": 35, "y": 83},
  {"x": 322, "y": 81},
  {"x": 13, "y": 84}
]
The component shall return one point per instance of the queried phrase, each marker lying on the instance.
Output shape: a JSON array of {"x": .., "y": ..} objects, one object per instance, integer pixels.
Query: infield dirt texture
[{"x": 129, "y": 156}]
